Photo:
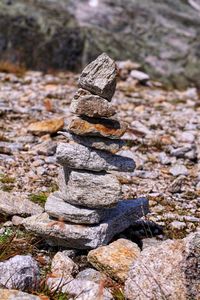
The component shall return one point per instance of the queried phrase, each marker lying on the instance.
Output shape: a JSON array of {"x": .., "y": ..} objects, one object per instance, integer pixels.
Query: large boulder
[
  {"x": 161, "y": 35},
  {"x": 169, "y": 270}
]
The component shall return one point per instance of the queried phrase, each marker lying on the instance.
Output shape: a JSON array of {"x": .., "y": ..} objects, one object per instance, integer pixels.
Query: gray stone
[
  {"x": 89, "y": 189},
  {"x": 10, "y": 148},
  {"x": 46, "y": 148},
  {"x": 88, "y": 237},
  {"x": 20, "y": 272},
  {"x": 81, "y": 289},
  {"x": 100, "y": 143},
  {"x": 177, "y": 170},
  {"x": 58, "y": 208},
  {"x": 99, "y": 77},
  {"x": 80, "y": 157},
  {"x": 166, "y": 271},
  {"x": 91, "y": 275},
  {"x": 16, "y": 295},
  {"x": 18, "y": 204},
  {"x": 140, "y": 76},
  {"x": 86, "y": 104},
  {"x": 111, "y": 128}
]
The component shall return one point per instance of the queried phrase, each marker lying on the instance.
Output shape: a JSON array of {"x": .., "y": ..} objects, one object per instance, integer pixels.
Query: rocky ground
[{"x": 163, "y": 138}]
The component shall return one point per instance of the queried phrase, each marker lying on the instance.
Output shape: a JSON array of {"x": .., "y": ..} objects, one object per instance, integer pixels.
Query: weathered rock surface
[
  {"x": 58, "y": 208},
  {"x": 115, "y": 259},
  {"x": 85, "y": 30},
  {"x": 88, "y": 237},
  {"x": 6, "y": 294},
  {"x": 20, "y": 272},
  {"x": 109, "y": 128},
  {"x": 80, "y": 157},
  {"x": 63, "y": 266},
  {"x": 46, "y": 126},
  {"x": 167, "y": 271},
  {"x": 86, "y": 104},
  {"x": 83, "y": 289},
  {"x": 89, "y": 189},
  {"x": 99, "y": 77},
  {"x": 18, "y": 204},
  {"x": 91, "y": 275},
  {"x": 111, "y": 145}
]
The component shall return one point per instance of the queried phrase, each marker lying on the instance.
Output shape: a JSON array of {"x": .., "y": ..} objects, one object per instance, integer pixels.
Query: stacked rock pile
[{"x": 87, "y": 206}]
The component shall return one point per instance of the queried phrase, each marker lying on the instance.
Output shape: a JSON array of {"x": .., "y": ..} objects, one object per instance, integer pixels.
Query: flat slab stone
[
  {"x": 88, "y": 237},
  {"x": 99, "y": 77},
  {"x": 86, "y": 104},
  {"x": 99, "y": 143},
  {"x": 77, "y": 156},
  {"x": 58, "y": 208},
  {"x": 109, "y": 128},
  {"x": 89, "y": 189}
]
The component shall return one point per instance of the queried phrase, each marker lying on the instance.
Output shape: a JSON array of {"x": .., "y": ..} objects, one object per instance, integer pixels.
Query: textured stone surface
[
  {"x": 20, "y": 272},
  {"x": 166, "y": 271},
  {"x": 115, "y": 259},
  {"x": 86, "y": 104},
  {"x": 88, "y": 237},
  {"x": 80, "y": 157},
  {"x": 81, "y": 289},
  {"x": 17, "y": 295},
  {"x": 63, "y": 266},
  {"x": 46, "y": 126},
  {"x": 91, "y": 275},
  {"x": 17, "y": 204},
  {"x": 99, "y": 77},
  {"x": 89, "y": 189},
  {"x": 100, "y": 143},
  {"x": 56, "y": 207},
  {"x": 97, "y": 127}
]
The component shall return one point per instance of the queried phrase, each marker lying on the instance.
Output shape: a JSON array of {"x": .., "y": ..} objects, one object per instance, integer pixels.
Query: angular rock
[
  {"x": 17, "y": 295},
  {"x": 82, "y": 289},
  {"x": 166, "y": 271},
  {"x": 63, "y": 266},
  {"x": 88, "y": 237},
  {"x": 99, "y": 77},
  {"x": 80, "y": 157},
  {"x": 47, "y": 126},
  {"x": 20, "y": 272},
  {"x": 109, "y": 128},
  {"x": 110, "y": 145},
  {"x": 89, "y": 189},
  {"x": 115, "y": 259},
  {"x": 10, "y": 148},
  {"x": 18, "y": 204},
  {"x": 177, "y": 170},
  {"x": 86, "y": 104},
  {"x": 140, "y": 76},
  {"x": 56, "y": 207}
]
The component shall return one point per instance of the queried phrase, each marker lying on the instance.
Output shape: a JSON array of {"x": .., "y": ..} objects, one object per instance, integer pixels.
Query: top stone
[{"x": 99, "y": 77}]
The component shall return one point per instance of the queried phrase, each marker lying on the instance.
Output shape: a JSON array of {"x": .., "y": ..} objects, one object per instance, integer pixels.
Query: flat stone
[
  {"x": 109, "y": 128},
  {"x": 91, "y": 275},
  {"x": 100, "y": 143},
  {"x": 69, "y": 235},
  {"x": 177, "y": 170},
  {"x": 9, "y": 148},
  {"x": 86, "y": 104},
  {"x": 168, "y": 271},
  {"x": 20, "y": 271},
  {"x": 89, "y": 189},
  {"x": 115, "y": 259},
  {"x": 58, "y": 208},
  {"x": 17, "y": 295},
  {"x": 46, "y": 126},
  {"x": 99, "y": 77},
  {"x": 140, "y": 76},
  {"x": 77, "y": 156},
  {"x": 17, "y": 204}
]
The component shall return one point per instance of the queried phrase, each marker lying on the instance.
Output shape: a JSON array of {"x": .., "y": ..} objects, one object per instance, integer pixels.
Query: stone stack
[{"x": 87, "y": 212}]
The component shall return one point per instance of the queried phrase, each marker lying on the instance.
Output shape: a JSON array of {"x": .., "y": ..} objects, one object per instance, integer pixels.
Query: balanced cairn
[{"x": 87, "y": 211}]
